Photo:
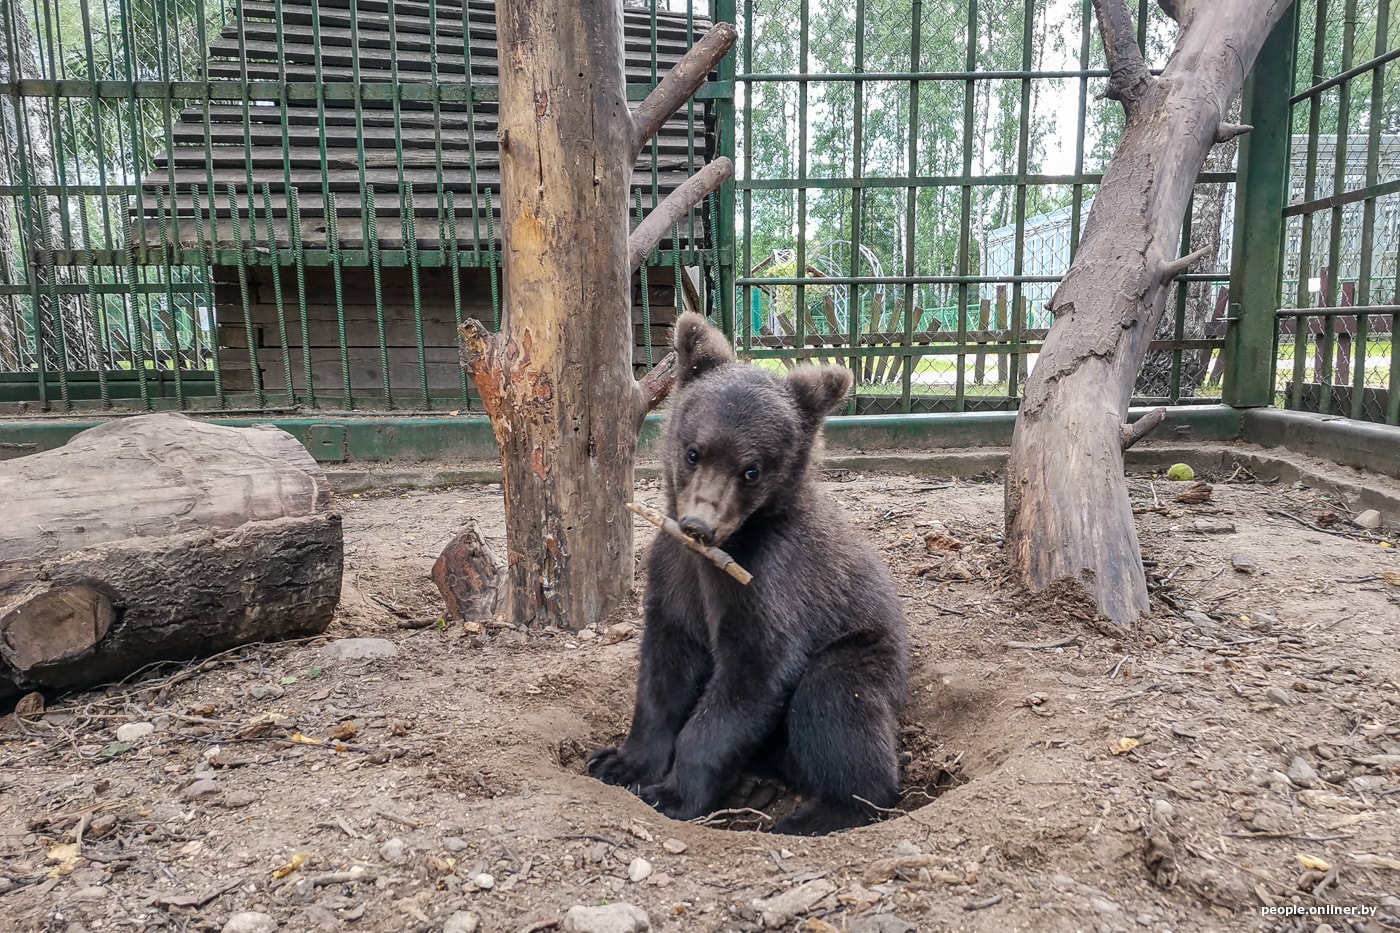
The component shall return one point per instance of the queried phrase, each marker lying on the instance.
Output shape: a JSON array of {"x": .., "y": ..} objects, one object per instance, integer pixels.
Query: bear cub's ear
[
  {"x": 819, "y": 389},
  {"x": 700, "y": 347}
]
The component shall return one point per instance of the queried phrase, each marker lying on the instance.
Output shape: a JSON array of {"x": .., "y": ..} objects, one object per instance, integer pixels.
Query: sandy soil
[{"x": 1264, "y": 704}]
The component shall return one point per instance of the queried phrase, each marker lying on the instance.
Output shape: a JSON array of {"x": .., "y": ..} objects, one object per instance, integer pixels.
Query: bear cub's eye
[
  {"x": 752, "y": 474},
  {"x": 692, "y": 456}
]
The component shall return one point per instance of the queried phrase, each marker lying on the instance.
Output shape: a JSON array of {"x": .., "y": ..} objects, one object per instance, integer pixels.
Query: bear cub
[{"x": 802, "y": 672}]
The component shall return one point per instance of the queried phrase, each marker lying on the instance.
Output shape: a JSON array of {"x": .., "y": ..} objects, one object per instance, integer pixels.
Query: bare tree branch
[
  {"x": 1132, "y": 433},
  {"x": 1170, "y": 270},
  {"x": 1228, "y": 131},
  {"x": 1129, "y": 80},
  {"x": 683, "y": 80},
  {"x": 669, "y": 212},
  {"x": 656, "y": 385}
]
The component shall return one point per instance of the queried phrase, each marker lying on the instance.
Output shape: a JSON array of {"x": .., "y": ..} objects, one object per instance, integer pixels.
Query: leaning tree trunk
[
  {"x": 557, "y": 380},
  {"x": 159, "y": 538},
  {"x": 1067, "y": 508}
]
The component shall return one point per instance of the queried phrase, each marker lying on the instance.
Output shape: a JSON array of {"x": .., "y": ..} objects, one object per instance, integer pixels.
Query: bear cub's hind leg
[{"x": 842, "y": 736}]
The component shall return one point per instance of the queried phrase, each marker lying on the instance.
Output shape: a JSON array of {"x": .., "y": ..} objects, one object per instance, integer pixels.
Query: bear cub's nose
[{"x": 698, "y": 530}]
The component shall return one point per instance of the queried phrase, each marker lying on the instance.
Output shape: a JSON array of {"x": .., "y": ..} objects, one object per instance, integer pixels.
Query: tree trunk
[
  {"x": 160, "y": 538},
  {"x": 557, "y": 380},
  {"x": 1067, "y": 508}
]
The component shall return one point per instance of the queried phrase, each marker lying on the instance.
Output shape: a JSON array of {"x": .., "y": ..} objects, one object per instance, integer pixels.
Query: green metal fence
[
  {"x": 915, "y": 177},
  {"x": 274, "y": 204},
  {"x": 1339, "y": 310},
  {"x": 268, "y": 204}
]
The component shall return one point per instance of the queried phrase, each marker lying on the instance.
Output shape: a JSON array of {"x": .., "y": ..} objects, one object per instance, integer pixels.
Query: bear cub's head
[{"x": 739, "y": 440}]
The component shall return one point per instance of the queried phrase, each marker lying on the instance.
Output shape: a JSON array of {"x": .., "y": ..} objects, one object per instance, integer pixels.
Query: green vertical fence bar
[
  {"x": 853, "y": 328},
  {"x": 167, "y": 255},
  {"x": 338, "y": 280},
  {"x": 274, "y": 262},
  {"x": 250, "y": 330},
  {"x": 299, "y": 262},
  {"x": 1375, "y": 118},
  {"x": 724, "y": 229},
  {"x": 1257, "y": 251},
  {"x": 455, "y": 270},
  {"x": 206, "y": 249}
]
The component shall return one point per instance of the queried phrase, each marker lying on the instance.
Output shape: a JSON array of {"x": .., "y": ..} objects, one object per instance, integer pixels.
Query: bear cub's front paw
[
  {"x": 613, "y": 765},
  {"x": 671, "y": 801}
]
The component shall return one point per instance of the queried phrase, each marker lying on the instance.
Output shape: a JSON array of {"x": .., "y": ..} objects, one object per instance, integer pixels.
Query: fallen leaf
[
  {"x": 115, "y": 749},
  {"x": 941, "y": 541},
  {"x": 1392, "y": 577},
  {"x": 29, "y": 706},
  {"x": 813, "y": 925},
  {"x": 68, "y": 856},
  {"x": 344, "y": 732},
  {"x": 304, "y": 740},
  {"x": 1316, "y": 864},
  {"x": 297, "y": 861},
  {"x": 1123, "y": 745}
]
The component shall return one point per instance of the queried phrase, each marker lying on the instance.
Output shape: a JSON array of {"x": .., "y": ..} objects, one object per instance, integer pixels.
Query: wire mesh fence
[{"x": 273, "y": 203}]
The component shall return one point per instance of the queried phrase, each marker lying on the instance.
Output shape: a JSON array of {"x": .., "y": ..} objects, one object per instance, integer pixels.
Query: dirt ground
[{"x": 1242, "y": 753}]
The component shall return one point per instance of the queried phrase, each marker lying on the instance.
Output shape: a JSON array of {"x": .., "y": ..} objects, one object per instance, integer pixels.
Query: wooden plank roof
[{"x": 273, "y": 145}]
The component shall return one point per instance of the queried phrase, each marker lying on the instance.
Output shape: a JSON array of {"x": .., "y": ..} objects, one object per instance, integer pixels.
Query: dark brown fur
[{"x": 805, "y": 668}]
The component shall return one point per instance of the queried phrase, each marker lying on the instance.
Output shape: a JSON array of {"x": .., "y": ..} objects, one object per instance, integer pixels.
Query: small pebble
[
  {"x": 250, "y": 921},
  {"x": 202, "y": 788},
  {"x": 586, "y": 634},
  {"x": 1369, "y": 519},
  {"x": 454, "y": 844},
  {"x": 617, "y": 917},
  {"x": 132, "y": 732},
  {"x": 1302, "y": 774},
  {"x": 461, "y": 922},
  {"x": 639, "y": 870},
  {"x": 1243, "y": 563},
  {"x": 359, "y": 649},
  {"x": 1105, "y": 906},
  {"x": 395, "y": 852},
  {"x": 484, "y": 881},
  {"x": 674, "y": 846},
  {"x": 1278, "y": 696},
  {"x": 905, "y": 847},
  {"x": 618, "y": 631},
  {"x": 239, "y": 798}
]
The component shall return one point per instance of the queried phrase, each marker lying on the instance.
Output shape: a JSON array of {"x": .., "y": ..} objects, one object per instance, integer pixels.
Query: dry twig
[{"x": 713, "y": 554}]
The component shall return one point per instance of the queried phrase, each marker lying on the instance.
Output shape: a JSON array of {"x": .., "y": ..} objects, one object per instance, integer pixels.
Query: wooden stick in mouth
[{"x": 713, "y": 554}]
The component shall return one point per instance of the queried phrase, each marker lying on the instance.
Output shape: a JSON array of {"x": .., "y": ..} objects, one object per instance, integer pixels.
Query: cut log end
[
  {"x": 55, "y": 626},
  {"x": 1132, "y": 433}
]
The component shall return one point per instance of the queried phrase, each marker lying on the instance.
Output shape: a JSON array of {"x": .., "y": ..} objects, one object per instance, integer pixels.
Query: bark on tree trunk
[
  {"x": 557, "y": 380},
  {"x": 1067, "y": 508},
  {"x": 159, "y": 538}
]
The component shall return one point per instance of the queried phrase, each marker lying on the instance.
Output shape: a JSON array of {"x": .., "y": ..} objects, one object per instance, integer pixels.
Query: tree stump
[{"x": 160, "y": 538}]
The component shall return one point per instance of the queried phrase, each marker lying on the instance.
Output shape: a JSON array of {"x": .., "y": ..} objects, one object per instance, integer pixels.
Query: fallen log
[{"x": 160, "y": 538}]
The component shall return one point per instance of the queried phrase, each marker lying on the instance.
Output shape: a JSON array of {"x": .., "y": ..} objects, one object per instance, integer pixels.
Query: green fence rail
[
  {"x": 268, "y": 204},
  {"x": 276, "y": 204}
]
